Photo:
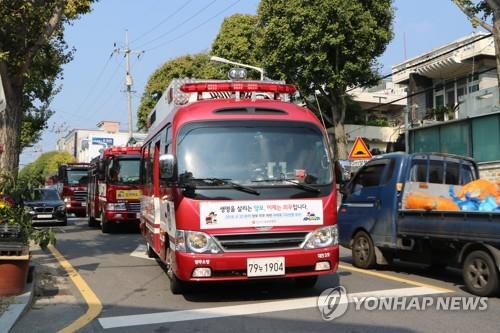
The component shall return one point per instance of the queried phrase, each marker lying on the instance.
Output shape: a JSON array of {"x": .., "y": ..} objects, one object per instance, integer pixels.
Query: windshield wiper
[
  {"x": 220, "y": 181},
  {"x": 290, "y": 181}
]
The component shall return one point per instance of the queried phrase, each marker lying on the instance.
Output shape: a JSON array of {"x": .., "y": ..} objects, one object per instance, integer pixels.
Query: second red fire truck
[{"x": 114, "y": 189}]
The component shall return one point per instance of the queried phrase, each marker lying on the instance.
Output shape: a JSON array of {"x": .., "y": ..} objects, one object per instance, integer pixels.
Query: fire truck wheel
[
  {"x": 92, "y": 222},
  {"x": 306, "y": 282},
  {"x": 105, "y": 225},
  {"x": 150, "y": 252},
  {"x": 176, "y": 286}
]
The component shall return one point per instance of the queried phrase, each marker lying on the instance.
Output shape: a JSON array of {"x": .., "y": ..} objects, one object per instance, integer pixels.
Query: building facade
[
  {"x": 453, "y": 101},
  {"x": 85, "y": 144}
]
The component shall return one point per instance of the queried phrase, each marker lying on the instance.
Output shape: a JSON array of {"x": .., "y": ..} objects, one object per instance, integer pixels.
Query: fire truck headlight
[
  {"x": 67, "y": 199},
  {"x": 322, "y": 237},
  {"x": 200, "y": 242}
]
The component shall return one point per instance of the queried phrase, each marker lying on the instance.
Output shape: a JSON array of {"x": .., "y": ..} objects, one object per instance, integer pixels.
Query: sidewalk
[{"x": 50, "y": 296}]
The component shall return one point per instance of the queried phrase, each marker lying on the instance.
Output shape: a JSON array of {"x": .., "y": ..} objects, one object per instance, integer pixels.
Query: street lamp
[{"x": 229, "y": 62}]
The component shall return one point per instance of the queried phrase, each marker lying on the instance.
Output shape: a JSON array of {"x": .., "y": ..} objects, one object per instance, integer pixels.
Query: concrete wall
[{"x": 490, "y": 171}]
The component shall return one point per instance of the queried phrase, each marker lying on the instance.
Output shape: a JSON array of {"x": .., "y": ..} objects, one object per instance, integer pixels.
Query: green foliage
[
  {"x": 45, "y": 165},
  {"x": 325, "y": 44},
  {"x": 32, "y": 53},
  {"x": 17, "y": 215},
  {"x": 239, "y": 40},
  {"x": 189, "y": 66}
]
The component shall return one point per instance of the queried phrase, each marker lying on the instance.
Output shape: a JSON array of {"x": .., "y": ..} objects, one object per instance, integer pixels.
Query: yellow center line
[
  {"x": 94, "y": 304},
  {"x": 392, "y": 278}
]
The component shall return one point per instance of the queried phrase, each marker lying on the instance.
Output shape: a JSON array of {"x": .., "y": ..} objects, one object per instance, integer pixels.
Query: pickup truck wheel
[
  {"x": 480, "y": 273},
  {"x": 105, "y": 225},
  {"x": 306, "y": 282},
  {"x": 363, "y": 251}
]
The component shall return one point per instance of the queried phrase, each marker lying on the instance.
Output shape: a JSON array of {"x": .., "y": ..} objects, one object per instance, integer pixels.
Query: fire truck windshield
[
  {"x": 255, "y": 153},
  {"x": 77, "y": 177},
  {"x": 124, "y": 171}
]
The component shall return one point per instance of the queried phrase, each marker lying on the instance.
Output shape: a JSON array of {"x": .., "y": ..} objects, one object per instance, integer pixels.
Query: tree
[
  {"x": 239, "y": 40},
  {"x": 188, "y": 66},
  {"x": 325, "y": 46},
  {"x": 32, "y": 52},
  {"x": 480, "y": 13},
  {"x": 45, "y": 165}
]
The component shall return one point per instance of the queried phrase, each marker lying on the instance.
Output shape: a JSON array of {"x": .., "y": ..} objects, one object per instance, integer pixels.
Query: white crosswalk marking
[{"x": 249, "y": 309}]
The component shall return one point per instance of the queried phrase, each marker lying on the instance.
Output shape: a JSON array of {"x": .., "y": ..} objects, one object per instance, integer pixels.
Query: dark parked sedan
[{"x": 47, "y": 207}]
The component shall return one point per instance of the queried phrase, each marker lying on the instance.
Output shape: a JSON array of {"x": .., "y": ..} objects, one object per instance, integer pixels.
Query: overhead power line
[
  {"x": 201, "y": 10},
  {"x": 162, "y": 21},
  {"x": 195, "y": 27}
]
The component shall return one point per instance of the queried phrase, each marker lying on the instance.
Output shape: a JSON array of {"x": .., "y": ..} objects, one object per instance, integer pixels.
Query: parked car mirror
[{"x": 168, "y": 167}]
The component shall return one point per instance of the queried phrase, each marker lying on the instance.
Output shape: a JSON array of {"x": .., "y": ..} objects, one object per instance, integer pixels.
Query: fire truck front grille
[
  {"x": 43, "y": 209},
  {"x": 80, "y": 195},
  {"x": 134, "y": 206},
  {"x": 261, "y": 241}
]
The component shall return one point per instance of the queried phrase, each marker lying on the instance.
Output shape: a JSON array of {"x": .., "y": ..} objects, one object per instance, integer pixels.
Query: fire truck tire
[
  {"x": 177, "y": 287},
  {"x": 150, "y": 252},
  {"x": 306, "y": 282},
  {"x": 105, "y": 225},
  {"x": 80, "y": 214},
  {"x": 92, "y": 222}
]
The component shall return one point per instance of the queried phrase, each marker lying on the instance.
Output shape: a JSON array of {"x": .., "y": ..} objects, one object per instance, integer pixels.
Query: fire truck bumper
[
  {"x": 76, "y": 207},
  {"x": 238, "y": 265},
  {"x": 122, "y": 216}
]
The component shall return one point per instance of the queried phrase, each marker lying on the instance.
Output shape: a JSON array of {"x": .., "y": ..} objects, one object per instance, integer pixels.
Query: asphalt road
[{"x": 135, "y": 295}]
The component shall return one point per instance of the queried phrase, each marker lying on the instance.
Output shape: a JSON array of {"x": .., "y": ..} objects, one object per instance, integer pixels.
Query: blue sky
[{"x": 93, "y": 82}]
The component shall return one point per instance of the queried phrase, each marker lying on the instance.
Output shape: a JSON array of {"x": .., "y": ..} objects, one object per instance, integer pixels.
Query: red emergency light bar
[
  {"x": 121, "y": 150},
  {"x": 201, "y": 87}
]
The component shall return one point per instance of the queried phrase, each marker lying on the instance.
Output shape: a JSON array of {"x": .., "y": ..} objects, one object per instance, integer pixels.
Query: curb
[{"x": 20, "y": 305}]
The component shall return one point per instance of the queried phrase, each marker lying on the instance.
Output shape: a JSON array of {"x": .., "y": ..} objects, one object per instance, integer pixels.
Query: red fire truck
[
  {"x": 239, "y": 185},
  {"x": 72, "y": 186},
  {"x": 114, "y": 189}
]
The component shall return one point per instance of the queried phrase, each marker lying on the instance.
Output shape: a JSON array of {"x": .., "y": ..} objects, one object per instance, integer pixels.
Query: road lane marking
[
  {"x": 250, "y": 309},
  {"x": 392, "y": 278},
  {"x": 93, "y": 302},
  {"x": 140, "y": 252}
]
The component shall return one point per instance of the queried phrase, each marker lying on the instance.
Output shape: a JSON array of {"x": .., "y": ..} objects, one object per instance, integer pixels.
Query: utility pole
[{"x": 128, "y": 77}]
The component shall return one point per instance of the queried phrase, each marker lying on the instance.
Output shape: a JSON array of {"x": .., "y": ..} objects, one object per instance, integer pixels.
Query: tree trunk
[
  {"x": 338, "y": 114},
  {"x": 10, "y": 130},
  {"x": 340, "y": 142},
  {"x": 496, "y": 38}
]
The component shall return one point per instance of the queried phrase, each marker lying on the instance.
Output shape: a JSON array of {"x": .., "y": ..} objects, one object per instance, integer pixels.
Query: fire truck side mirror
[{"x": 168, "y": 167}]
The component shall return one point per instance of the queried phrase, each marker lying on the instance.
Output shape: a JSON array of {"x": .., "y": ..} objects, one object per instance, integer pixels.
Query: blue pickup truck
[{"x": 375, "y": 225}]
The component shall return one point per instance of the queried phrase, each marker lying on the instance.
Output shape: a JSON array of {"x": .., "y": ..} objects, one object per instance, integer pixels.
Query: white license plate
[
  {"x": 44, "y": 216},
  {"x": 266, "y": 266},
  {"x": 137, "y": 215}
]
